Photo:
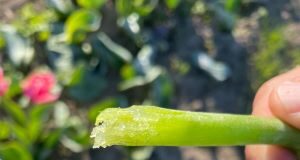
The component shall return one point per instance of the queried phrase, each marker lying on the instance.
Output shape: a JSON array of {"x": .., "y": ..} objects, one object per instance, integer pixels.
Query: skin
[{"x": 268, "y": 104}]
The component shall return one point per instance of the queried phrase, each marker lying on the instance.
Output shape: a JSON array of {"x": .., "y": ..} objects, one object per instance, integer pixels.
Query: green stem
[{"x": 154, "y": 126}]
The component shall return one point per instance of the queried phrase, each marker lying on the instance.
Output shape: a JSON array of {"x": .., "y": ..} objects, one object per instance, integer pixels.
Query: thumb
[{"x": 285, "y": 102}]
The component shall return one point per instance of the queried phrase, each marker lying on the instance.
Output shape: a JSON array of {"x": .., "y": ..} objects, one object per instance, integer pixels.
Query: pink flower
[
  {"x": 38, "y": 87},
  {"x": 4, "y": 84}
]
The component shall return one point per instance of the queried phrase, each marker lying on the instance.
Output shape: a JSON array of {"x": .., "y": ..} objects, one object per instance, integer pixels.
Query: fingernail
[{"x": 289, "y": 95}]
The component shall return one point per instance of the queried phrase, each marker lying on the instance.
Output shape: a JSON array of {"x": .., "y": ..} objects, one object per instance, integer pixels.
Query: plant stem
[{"x": 154, "y": 126}]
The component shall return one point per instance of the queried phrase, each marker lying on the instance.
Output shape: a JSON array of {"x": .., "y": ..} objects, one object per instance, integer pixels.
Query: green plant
[
  {"x": 274, "y": 55},
  {"x": 154, "y": 126},
  {"x": 66, "y": 38},
  {"x": 35, "y": 132},
  {"x": 34, "y": 122}
]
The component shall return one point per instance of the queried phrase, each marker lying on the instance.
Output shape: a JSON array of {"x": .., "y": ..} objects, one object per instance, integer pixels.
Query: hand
[{"x": 278, "y": 97}]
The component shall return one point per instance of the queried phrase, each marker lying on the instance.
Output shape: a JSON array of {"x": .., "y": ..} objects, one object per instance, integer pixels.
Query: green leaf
[
  {"x": 172, "y": 4},
  {"x": 14, "y": 87},
  {"x": 81, "y": 22},
  {"x": 40, "y": 112},
  {"x": 32, "y": 22},
  {"x": 14, "y": 110},
  {"x": 142, "y": 7},
  {"x": 110, "y": 53},
  {"x": 21, "y": 134},
  {"x": 77, "y": 74},
  {"x": 19, "y": 49},
  {"x": 38, "y": 116},
  {"x": 34, "y": 129},
  {"x": 232, "y": 6},
  {"x": 14, "y": 150},
  {"x": 91, "y": 4},
  {"x": 124, "y": 7},
  {"x": 5, "y": 130},
  {"x": 108, "y": 48},
  {"x": 2, "y": 41},
  {"x": 127, "y": 72},
  {"x": 51, "y": 139},
  {"x": 150, "y": 76}
]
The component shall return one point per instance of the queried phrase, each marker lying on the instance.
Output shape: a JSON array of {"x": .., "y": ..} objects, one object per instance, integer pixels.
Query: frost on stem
[
  {"x": 100, "y": 140},
  {"x": 154, "y": 126},
  {"x": 121, "y": 127}
]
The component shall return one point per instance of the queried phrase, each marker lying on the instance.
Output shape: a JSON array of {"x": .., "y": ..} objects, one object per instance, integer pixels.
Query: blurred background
[{"x": 64, "y": 61}]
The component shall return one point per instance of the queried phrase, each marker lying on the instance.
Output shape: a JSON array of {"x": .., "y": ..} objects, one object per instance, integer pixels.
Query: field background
[{"x": 197, "y": 55}]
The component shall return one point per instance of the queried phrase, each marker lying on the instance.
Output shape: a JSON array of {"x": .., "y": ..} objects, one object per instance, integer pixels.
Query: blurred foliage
[
  {"x": 268, "y": 60},
  {"x": 274, "y": 56},
  {"x": 66, "y": 38},
  {"x": 108, "y": 53},
  {"x": 92, "y": 4},
  {"x": 79, "y": 23}
]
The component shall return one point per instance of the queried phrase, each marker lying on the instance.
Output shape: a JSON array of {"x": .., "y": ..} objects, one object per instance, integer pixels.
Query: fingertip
[
  {"x": 268, "y": 103},
  {"x": 267, "y": 152},
  {"x": 255, "y": 152},
  {"x": 261, "y": 104},
  {"x": 285, "y": 102},
  {"x": 261, "y": 100}
]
